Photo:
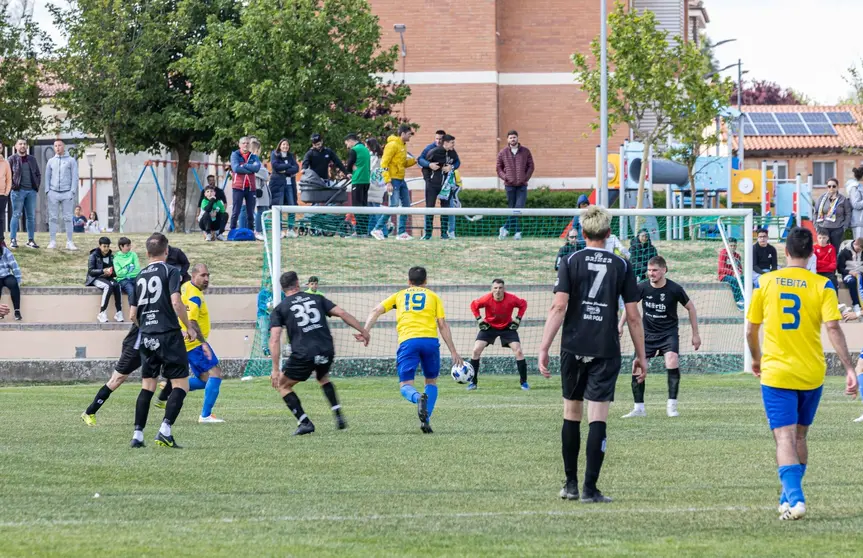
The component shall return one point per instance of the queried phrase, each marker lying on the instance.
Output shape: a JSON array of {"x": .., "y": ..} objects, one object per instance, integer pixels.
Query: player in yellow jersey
[
  {"x": 203, "y": 362},
  {"x": 792, "y": 303},
  {"x": 419, "y": 317}
]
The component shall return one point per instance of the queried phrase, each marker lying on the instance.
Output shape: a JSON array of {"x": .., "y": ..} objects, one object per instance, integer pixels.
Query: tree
[
  {"x": 763, "y": 92},
  {"x": 21, "y": 45},
  {"x": 854, "y": 78},
  {"x": 290, "y": 69}
]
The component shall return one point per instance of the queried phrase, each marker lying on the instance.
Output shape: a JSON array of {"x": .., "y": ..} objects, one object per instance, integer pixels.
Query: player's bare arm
[
  {"x": 373, "y": 317},
  {"x": 276, "y": 355},
  {"x": 133, "y": 315},
  {"x": 636, "y": 333},
  {"x": 180, "y": 309},
  {"x": 552, "y": 324},
  {"x": 693, "y": 322},
  {"x": 837, "y": 339},
  {"x": 446, "y": 334},
  {"x": 753, "y": 339},
  {"x": 363, "y": 336}
]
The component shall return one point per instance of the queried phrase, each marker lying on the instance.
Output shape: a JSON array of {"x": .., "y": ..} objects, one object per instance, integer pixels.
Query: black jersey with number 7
[
  {"x": 153, "y": 289},
  {"x": 304, "y": 315},
  {"x": 594, "y": 279}
]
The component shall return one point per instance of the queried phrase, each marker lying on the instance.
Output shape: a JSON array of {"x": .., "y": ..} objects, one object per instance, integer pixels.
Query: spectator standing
[
  {"x": 319, "y": 158},
  {"x": 641, "y": 250},
  {"x": 26, "y": 178},
  {"x": 5, "y": 190},
  {"x": 213, "y": 216},
  {"x": 79, "y": 222},
  {"x": 262, "y": 190},
  {"x": 10, "y": 278},
  {"x": 854, "y": 189},
  {"x": 178, "y": 259},
  {"x": 377, "y": 190},
  {"x": 283, "y": 180},
  {"x": 726, "y": 270},
  {"x": 359, "y": 165},
  {"x": 93, "y": 223},
  {"x": 244, "y": 165},
  {"x": 833, "y": 213},
  {"x": 764, "y": 258},
  {"x": 127, "y": 266},
  {"x": 393, "y": 164},
  {"x": 441, "y": 160},
  {"x": 514, "y": 167},
  {"x": 825, "y": 262},
  {"x": 61, "y": 180},
  {"x": 850, "y": 267},
  {"x": 570, "y": 247},
  {"x": 101, "y": 274}
]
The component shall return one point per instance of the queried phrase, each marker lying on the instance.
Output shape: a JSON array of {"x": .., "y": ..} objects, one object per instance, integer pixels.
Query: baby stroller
[{"x": 319, "y": 192}]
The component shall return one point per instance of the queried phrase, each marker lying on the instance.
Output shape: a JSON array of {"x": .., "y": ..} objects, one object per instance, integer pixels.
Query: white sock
[
  {"x": 165, "y": 429},
  {"x": 138, "y": 435},
  {"x": 639, "y": 407},
  {"x": 672, "y": 401}
]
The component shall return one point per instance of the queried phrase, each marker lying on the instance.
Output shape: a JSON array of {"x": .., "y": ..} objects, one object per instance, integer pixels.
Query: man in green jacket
[
  {"x": 359, "y": 165},
  {"x": 126, "y": 268}
]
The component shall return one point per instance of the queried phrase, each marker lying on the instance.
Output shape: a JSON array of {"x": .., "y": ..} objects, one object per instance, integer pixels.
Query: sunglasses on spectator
[{"x": 831, "y": 186}]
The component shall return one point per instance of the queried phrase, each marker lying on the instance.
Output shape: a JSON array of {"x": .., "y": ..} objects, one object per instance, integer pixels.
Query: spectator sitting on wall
[
  {"x": 283, "y": 181},
  {"x": 615, "y": 246},
  {"x": 244, "y": 165},
  {"x": 319, "y": 158},
  {"x": 583, "y": 203},
  {"x": 443, "y": 158},
  {"x": 570, "y": 247},
  {"x": 213, "y": 215},
  {"x": 26, "y": 179},
  {"x": 79, "y": 222},
  {"x": 101, "y": 274},
  {"x": 220, "y": 196},
  {"x": 641, "y": 250},
  {"x": 178, "y": 259},
  {"x": 313, "y": 286},
  {"x": 61, "y": 181},
  {"x": 10, "y": 277},
  {"x": 833, "y": 213},
  {"x": 93, "y": 223},
  {"x": 764, "y": 258},
  {"x": 850, "y": 265},
  {"x": 127, "y": 267},
  {"x": 726, "y": 268},
  {"x": 825, "y": 254},
  {"x": 514, "y": 167}
]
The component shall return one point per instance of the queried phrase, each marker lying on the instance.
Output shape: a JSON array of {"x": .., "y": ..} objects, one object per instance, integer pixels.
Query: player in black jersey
[
  {"x": 589, "y": 283},
  {"x": 130, "y": 360},
  {"x": 659, "y": 299},
  {"x": 304, "y": 316},
  {"x": 156, "y": 309}
]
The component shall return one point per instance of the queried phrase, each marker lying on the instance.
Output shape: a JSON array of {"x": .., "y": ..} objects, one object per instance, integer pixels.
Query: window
[
  {"x": 822, "y": 171},
  {"x": 781, "y": 169}
]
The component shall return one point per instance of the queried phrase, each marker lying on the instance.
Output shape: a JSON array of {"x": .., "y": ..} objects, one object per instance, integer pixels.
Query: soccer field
[{"x": 485, "y": 484}]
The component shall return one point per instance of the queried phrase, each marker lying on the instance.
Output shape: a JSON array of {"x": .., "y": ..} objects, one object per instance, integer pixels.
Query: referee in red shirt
[{"x": 498, "y": 322}]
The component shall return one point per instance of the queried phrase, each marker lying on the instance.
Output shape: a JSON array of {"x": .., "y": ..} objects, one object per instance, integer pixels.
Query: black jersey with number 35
[
  {"x": 153, "y": 289},
  {"x": 594, "y": 280},
  {"x": 304, "y": 315}
]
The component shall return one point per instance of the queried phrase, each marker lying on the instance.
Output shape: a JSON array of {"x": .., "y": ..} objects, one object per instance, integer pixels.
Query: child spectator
[
  {"x": 127, "y": 266},
  {"x": 764, "y": 258},
  {"x": 313, "y": 286},
  {"x": 10, "y": 277},
  {"x": 570, "y": 247},
  {"x": 79, "y": 222},
  {"x": 641, "y": 250},
  {"x": 377, "y": 190},
  {"x": 178, "y": 259},
  {"x": 850, "y": 267},
  {"x": 726, "y": 270},
  {"x": 582, "y": 203},
  {"x": 213, "y": 216},
  {"x": 101, "y": 274},
  {"x": 93, "y": 223},
  {"x": 825, "y": 254}
]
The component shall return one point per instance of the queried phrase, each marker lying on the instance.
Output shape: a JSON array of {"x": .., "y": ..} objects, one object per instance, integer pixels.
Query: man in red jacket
[
  {"x": 498, "y": 322},
  {"x": 514, "y": 167}
]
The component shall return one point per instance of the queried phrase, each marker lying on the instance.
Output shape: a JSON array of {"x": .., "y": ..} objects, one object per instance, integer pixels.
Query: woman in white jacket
[
  {"x": 377, "y": 189},
  {"x": 854, "y": 189}
]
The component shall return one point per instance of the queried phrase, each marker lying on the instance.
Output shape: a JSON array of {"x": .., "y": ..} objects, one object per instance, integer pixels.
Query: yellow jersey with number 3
[
  {"x": 792, "y": 303},
  {"x": 196, "y": 308},
  {"x": 417, "y": 312}
]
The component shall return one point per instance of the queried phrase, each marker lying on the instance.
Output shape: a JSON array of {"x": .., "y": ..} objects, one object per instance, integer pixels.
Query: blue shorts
[
  {"x": 785, "y": 407},
  {"x": 413, "y": 352},
  {"x": 198, "y": 361}
]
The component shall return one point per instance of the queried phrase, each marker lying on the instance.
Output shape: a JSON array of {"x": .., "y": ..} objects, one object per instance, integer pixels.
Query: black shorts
[
  {"x": 661, "y": 345},
  {"x": 507, "y": 336},
  {"x": 165, "y": 354},
  {"x": 594, "y": 380},
  {"x": 300, "y": 369},
  {"x": 130, "y": 358}
]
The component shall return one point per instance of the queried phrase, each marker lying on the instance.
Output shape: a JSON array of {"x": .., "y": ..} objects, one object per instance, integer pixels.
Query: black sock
[
  {"x": 330, "y": 392},
  {"x": 638, "y": 390},
  {"x": 293, "y": 403},
  {"x": 595, "y": 455},
  {"x": 522, "y": 370},
  {"x": 166, "y": 391},
  {"x": 175, "y": 403},
  {"x": 673, "y": 382},
  {"x": 99, "y": 400},
  {"x": 570, "y": 436},
  {"x": 475, "y": 363},
  {"x": 142, "y": 408}
]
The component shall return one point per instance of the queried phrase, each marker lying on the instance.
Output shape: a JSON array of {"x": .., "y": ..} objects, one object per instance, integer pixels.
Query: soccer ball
[{"x": 462, "y": 374}]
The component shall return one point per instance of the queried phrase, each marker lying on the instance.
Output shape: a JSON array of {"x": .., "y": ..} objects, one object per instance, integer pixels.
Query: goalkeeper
[{"x": 498, "y": 322}]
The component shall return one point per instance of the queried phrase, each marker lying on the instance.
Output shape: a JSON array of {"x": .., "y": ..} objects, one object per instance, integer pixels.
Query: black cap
[
  {"x": 316, "y": 138},
  {"x": 313, "y": 279}
]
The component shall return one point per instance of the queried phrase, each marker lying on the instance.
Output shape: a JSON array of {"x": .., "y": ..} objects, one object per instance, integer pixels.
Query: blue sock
[
  {"x": 211, "y": 393},
  {"x": 860, "y": 385},
  {"x": 431, "y": 391},
  {"x": 195, "y": 383},
  {"x": 791, "y": 477},
  {"x": 410, "y": 393}
]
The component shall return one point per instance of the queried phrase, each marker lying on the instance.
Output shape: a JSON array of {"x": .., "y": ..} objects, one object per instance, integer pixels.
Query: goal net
[{"x": 357, "y": 272}]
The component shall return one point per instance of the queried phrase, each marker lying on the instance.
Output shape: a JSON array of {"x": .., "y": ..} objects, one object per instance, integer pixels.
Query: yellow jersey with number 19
[
  {"x": 792, "y": 303},
  {"x": 417, "y": 311},
  {"x": 196, "y": 308}
]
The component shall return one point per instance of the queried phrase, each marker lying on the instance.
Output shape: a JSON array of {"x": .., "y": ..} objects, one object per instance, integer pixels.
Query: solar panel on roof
[
  {"x": 814, "y": 118},
  {"x": 822, "y": 130},
  {"x": 762, "y": 117},
  {"x": 788, "y": 117},
  {"x": 841, "y": 118},
  {"x": 749, "y": 130},
  {"x": 795, "y": 129},
  {"x": 769, "y": 130}
]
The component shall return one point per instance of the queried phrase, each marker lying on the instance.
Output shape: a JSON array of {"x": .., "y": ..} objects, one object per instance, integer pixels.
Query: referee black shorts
[
  {"x": 165, "y": 354},
  {"x": 661, "y": 345},
  {"x": 300, "y": 370},
  {"x": 506, "y": 335},
  {"x": 130, "y": 357},
  {"x": 594, "y": 380}
]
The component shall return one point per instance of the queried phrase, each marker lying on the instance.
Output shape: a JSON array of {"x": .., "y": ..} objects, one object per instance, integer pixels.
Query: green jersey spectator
[{"x": 127, "y": 267}]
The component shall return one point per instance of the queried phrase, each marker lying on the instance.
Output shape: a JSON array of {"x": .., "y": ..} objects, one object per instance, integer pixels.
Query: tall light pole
[
  {"x": 91, "y": 158},
  {"x": 718, "y": 130},
  {"x": 603, "y": 104}
]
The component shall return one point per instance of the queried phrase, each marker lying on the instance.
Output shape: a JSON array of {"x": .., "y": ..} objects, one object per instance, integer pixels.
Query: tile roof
[{"x": 849, "y": 136}]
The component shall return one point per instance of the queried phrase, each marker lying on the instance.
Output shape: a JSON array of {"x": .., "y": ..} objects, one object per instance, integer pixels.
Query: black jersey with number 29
[
  {"x": 153, "y": 289},
  {"x": 594, "y": 280},
  {"x": 304, "y": 315}
]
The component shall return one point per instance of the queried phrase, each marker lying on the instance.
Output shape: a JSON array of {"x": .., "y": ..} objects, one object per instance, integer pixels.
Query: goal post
[{"x": 357, "y": 273}]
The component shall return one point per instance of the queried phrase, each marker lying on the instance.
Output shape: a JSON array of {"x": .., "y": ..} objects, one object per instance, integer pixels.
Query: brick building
[{"x": 478, "y": 68}]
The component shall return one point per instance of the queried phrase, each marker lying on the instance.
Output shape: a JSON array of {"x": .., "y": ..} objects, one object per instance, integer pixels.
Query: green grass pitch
[{"x": 485, "y": 484}]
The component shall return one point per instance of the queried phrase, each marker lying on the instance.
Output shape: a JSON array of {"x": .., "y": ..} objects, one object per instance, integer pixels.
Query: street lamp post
[
  {"x": 603, "y": 104},
  {"x": 91, "y": 158}
]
